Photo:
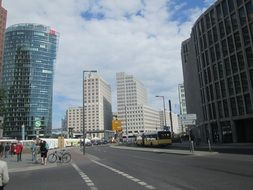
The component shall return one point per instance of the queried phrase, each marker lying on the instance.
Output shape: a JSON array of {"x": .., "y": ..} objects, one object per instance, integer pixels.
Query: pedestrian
[
  {"x": 6, "y": 150},
  {"x": 19, "y": 149},
  {"x": 1, "y": 147},
  {"x": 4, "y": 173},
  {"x": 43, "y": 152},
  {"x": 13, "y": 149},
  {"x": 34, "y": 151}
]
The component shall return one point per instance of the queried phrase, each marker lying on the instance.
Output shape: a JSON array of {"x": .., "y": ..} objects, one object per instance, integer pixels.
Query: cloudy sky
[{"x": 139, "y": 37}]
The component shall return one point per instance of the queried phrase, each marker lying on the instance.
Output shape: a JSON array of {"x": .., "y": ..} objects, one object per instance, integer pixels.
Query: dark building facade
[
  {"x": 3, "y": 17},
  {"x": 29, "y": 58},
  {"x": 218, "y": 66}
]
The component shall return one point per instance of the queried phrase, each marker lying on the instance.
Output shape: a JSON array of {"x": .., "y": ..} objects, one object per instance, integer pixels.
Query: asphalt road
[{"x": 105, "y": 168}]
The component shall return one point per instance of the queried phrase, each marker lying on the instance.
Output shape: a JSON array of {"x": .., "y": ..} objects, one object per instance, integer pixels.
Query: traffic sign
[
  {"x": 188, "y": 119},
  {"x": 188, "y": 122}
]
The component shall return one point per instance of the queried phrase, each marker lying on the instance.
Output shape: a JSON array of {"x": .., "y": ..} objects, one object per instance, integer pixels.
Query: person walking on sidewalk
[
  {"x": 7, "y": 150},
  {"x": 43, "y": 152},
  {"x": 19, "y": 149},
  {"x": 34, "y": 151},
  {"x": 4, "y": 173}
]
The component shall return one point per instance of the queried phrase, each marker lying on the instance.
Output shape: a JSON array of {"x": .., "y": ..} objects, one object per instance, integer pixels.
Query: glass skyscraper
[{"x": 28, "y": 69}]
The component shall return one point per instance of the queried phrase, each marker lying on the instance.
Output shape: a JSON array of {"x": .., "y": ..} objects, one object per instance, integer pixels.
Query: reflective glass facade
[
  {"x": 29, "y": 58},
  {"x": 222, "y": 51}
]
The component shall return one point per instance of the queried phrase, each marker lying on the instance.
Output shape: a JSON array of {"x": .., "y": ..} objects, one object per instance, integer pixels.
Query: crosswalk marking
[
  {"x": 142, "y": 183},
  {"x": 86, "y": 179}
]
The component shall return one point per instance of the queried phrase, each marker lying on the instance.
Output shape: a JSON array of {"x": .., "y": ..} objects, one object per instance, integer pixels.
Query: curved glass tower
[{"x": 28, "y": 67}]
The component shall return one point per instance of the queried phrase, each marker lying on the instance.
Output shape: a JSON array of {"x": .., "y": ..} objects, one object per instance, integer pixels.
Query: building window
[
  {"x": 224, "y": 48},
  {"x": 249, "y": 56},
  {"x": 234, "y": 22},
  {"x": 217, "y": 90},
  {"x": 249, "y": 8},
  {"x": 245, "y": 33},
  {"x": 230, "y": 86},
  {"x": 237, "y": 40},
  {"x": 227, "y": 66},
  {"x": 222, "y": 30},
  {"x": 210, "y": 37},
  {"x": 218, "y": 10},
  {"x": 251, "y": 76},
  {"x": 215, "y": 72},
  {"x": 210, "y": 112},
  {"x": 220, "y": 68},
  {"x": 215, "y": 35},
  {"x": 231, "y": 46},
  {"x": 225, "y": 106},
  {"x": 212, "y": 54},
  {"x": 220, "y": 109},
  {"x": 240, "y": 60},
  {"x": 231, "y": 5},
  {"x": 208, "y": 22},
  {"x": 240, "y": 105},
  {"x": 242, "y": 16},
  {"x": 244, "y": 82},
  {"x": 228, "y": 25},
  {"x": 224, "y": 8},
  {"x": 234, "y": 64},
  {"x": 248, "y": 103},
  {"x": 223, "y": 89},
  {"x": 237, "y": 84},
  {"x": 233, "y": 106},
  {"x": 218, "y": 52}
]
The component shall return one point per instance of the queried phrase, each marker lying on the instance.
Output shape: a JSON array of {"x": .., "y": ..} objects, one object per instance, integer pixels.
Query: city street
[{"x": 106, "y": 168}]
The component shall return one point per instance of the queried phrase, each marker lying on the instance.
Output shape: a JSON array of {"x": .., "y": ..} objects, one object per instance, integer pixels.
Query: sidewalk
[
  {"x": 25, "y": 165},
  {"x": 163, "y": 150},
  {"x": 235, "y": 148}
]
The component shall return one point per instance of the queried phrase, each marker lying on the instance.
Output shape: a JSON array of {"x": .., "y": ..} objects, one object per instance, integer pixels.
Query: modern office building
[
  {"x": 97, "y": 106},
  {"x": 175, "y": 122},
  {"x": 132, "y": 107},
  {"x": 74, "y": 117},
  {"x": 140, "y": 118},
  {"x": 28, "y": 68},
  {"x": 218, "y": 72},
  {"x": 3, "y": 17}
]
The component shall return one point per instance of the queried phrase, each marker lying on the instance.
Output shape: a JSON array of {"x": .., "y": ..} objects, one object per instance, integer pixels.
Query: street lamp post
[
  {"x": 164, "y": 113},
  {"x": 84, "y": 130},
  {"x": 23, "y": 131},
  {"x": 126, "y": 122},
  {"x": 171, "y": 123}
]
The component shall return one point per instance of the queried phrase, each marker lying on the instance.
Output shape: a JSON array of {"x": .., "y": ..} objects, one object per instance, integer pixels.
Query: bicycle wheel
[
  {"x": 66, "y": 158},
  {"x": 52, "y": 158}
]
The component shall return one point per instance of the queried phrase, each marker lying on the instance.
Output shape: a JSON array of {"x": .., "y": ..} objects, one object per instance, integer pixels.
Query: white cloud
[{"x": 147, "y": 46}]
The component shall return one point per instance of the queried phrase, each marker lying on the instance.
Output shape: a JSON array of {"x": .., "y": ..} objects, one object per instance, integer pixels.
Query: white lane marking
[
  {"x": 86, "y": 179},
  {"x": 142, "y": 183}
]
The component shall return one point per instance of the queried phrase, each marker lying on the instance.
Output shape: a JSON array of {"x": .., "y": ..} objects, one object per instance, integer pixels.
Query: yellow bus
[{"x": 159, "y": 138}]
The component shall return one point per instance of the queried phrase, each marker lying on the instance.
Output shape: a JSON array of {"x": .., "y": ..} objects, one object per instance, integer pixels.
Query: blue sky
[{"x": 140, "y": 37}]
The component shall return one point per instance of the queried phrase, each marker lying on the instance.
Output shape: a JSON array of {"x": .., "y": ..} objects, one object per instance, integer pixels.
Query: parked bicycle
[{"x": 60, "y": 155}]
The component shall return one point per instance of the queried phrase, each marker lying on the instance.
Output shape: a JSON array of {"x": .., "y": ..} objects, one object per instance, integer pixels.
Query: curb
[{"x": 179, "y": 152}]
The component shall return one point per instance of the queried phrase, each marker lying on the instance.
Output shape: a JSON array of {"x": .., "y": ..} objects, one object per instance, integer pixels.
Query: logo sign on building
[
  {"x": 37, "y": 123},
  {"x": 188, "y": 119}
]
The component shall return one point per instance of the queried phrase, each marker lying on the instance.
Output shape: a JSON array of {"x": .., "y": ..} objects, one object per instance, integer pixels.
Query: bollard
[
  {"x": 192, "y": 146},
  {"x": 209, "y": 145}
]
